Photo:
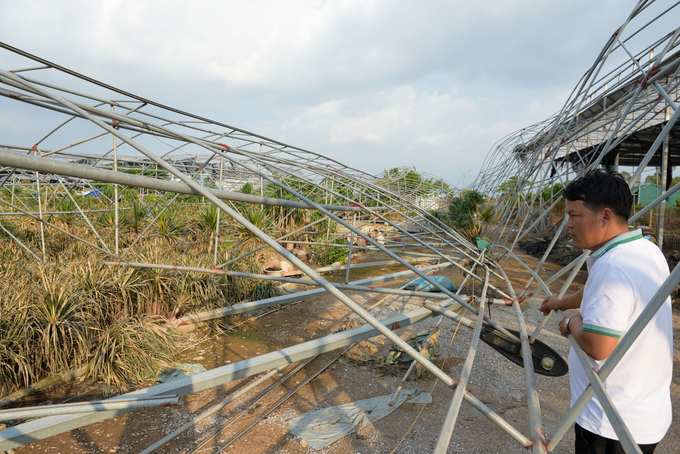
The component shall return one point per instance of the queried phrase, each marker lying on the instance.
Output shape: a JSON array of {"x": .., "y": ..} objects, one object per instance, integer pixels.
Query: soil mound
[{"x": 561, "y": 253}]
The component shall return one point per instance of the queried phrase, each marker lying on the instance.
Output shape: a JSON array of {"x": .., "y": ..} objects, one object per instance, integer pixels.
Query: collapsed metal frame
[
  {"x": 398, "y": 200},
  {"x": 624, "y": 93}
]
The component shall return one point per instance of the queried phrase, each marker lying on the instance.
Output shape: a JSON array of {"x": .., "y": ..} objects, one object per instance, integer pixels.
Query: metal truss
[
  {"x": 623, "y": 112},
  {"x": 106, "y": 144}
]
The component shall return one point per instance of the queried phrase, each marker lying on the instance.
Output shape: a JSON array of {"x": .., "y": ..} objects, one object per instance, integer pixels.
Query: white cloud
[
  {"x": 395, "y": 114},
  {"x": 546, "y": 106},
  {"x": 433, "y": 83},
  {"x": 274, "y": 45}
]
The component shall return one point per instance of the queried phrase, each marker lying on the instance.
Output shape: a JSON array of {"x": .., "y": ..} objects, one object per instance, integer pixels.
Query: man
[{"x": 624, "y": 272}]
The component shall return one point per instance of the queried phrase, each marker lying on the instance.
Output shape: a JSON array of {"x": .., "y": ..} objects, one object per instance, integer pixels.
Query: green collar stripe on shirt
[
  {"x": 600, "y": 330},
  {"x": 619, "y": 239}
]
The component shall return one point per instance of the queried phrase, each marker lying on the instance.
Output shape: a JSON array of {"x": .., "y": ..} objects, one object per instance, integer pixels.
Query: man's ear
[{"x": 607, "y": 216}]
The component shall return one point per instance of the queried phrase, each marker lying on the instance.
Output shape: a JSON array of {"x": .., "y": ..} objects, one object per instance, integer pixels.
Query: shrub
[
  {"x": 327, "y": 255},
  {"x": 170, "y": 225},
  {"x": 60, "y": 323},
  {"x": 463, "y": 213},
  {"x": 17, "y": 365},
  {"x": 131, "y": 350}
]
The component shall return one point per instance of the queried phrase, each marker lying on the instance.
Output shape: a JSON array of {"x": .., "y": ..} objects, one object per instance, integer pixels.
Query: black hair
[{"x": 601, "y": 189}]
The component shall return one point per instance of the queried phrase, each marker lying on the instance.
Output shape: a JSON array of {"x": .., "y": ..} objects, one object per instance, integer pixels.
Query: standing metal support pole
[
  {"x": 217, "y": 225},
  {"x": 261, "y": 182},
  {"x": 42, "y": 227},
  {"x": 115, "y": 192},
  {"x": 351, "y": 246},
  {"x": 452, "y": 415},
  {"x": 664, "y": 184},
  {"x": 328, "y": 226}
]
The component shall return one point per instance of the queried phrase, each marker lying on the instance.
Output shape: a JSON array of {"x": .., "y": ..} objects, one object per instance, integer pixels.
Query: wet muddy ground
[{"x": 412, "y": 428}]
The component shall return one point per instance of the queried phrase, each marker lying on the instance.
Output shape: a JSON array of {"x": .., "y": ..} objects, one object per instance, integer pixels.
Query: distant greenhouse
[{"x": 645, "y": 194}]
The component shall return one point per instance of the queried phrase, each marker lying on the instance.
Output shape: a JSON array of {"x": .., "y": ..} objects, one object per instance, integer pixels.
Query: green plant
[
  {"x": 486, "y": 214},
  {"x": 440, "y": 216},
  {"x": 68, "y": 207},
  {"x": 135, "y": 217},
  {"x": 130, "y": 350},
  {"x": 327, "y": 254},
  {"x": 108, "y": 191},
  {"x": 207, "y": 220},
  {"x": 17, "y": 365},
  {"x": 107, "y": 218},
  {"x": 170, "y": 225},
  {"x": 60, "y": 323},
  {"x": 247, "y": 239},
  {"x": 550, "y": 192},
  {"x": 463, "y": 213},
  {"x": 246, "y": 189},
  {"x": 129, "y": 196},
  {"x": 327, "y": 226}
]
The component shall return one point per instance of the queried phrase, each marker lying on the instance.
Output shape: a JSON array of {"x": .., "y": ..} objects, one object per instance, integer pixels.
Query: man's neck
[{"x": 612, "y": 233}]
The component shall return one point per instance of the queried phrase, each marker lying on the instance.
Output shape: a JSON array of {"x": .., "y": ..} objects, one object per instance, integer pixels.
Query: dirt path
[{"x": 495, "y": 381}]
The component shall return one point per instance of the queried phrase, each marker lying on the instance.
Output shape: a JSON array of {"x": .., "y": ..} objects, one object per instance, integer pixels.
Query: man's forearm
[
  {"x": 572, "y": 301},
  {"x": 553, "y": 303}
]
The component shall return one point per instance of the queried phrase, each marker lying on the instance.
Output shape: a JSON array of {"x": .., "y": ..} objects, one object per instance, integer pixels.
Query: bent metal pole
[
  {"x": 27, "y": 162},
  {"x": 452, "y": 415},
  {"x": 199, "y": 189},
  {"x": 624, "y": 344},
  {"x": 87, "y": 407}
]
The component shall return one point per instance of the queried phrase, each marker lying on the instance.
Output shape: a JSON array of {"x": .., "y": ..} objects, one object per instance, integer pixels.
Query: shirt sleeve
[{"x": 608, "y": 301}]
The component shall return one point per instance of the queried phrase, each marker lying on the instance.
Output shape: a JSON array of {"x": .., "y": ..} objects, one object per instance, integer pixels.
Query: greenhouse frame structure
[{"x": 623, "y": 112}]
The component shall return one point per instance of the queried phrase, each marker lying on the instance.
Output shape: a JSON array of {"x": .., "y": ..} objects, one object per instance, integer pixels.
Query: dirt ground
[{"x": 412, "y": 428}]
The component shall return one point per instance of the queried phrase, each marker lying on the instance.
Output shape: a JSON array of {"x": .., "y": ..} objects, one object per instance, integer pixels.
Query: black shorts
[{"x": 590, "y": 443}]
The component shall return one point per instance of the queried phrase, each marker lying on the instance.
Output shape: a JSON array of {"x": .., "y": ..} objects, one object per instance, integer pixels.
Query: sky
[{"x": 372, "y": 84}]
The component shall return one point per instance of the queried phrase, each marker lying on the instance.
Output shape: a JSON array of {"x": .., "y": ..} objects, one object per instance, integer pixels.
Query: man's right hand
[{"x": 551, "y": 303}]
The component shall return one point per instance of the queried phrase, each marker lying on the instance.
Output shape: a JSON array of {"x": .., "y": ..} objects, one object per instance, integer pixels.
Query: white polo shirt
[{"x": 623, "y": 276}]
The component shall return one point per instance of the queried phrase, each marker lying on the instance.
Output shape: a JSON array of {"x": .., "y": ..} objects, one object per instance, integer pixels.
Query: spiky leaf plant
[
  {"x": 170, "y": 225},
  {"x": 68, "y": 208},
  {"x": 107, "y": 218},
  {"x": 486, "y": 214},
  {"x": 17, "y": 365},
  {"x": 181, "y": 300},
  {"x": 60, "y": 323},
  {"x": 131, "y": 350},
  {"x": 129, "y": 196},
  {"x": 135, "y": 217},
  {"x": 247, "y": 240},
  {"x": 126, "y": 285},
  {"x": 207, "y": 219}
]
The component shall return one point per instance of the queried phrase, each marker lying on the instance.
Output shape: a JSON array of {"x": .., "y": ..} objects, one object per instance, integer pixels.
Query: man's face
[{"x": 586, "y": 227}]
